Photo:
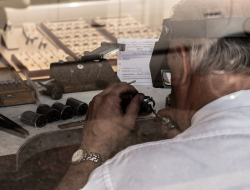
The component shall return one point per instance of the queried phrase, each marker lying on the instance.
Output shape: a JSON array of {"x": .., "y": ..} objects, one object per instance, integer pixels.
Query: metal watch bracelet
[{"x": 92, "y": 156}]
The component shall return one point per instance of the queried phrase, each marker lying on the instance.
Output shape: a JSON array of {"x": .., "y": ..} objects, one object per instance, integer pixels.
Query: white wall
[{"x": 150, "y": 12}]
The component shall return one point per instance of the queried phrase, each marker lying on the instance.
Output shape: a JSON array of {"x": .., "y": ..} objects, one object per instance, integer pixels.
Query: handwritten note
[{"x": 133, "y": 63}]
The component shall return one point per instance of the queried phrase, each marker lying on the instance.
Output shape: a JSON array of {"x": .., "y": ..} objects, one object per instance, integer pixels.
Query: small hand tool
[
  {"x": 8, "y": 126},
  {"x": 164, "y": 120},
  {"x": 52, "y": 90},
  {"x": 134, "y": 81},
  {"x": 100, "y": 53},
  {"x": 72, "y": 124}
]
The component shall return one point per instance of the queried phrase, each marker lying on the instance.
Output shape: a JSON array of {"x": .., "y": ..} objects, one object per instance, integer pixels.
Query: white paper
[
  {"x": 133, "y": 63},
  {"x": 169, "y": 77}
]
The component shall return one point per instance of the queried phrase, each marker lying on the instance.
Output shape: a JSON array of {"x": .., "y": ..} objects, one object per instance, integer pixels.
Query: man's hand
[
  {"x": 169, "y": 133},
  {"x": 106, "y": 125}
]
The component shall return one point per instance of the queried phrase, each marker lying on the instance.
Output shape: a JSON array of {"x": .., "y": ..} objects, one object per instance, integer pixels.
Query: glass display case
[
  {"x": 37, "y": 38},
  {"x": 54, "y": 97}
]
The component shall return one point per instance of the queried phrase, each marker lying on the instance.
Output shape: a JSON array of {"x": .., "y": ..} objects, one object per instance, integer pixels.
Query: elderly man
[{"x": 209, "y": 101}]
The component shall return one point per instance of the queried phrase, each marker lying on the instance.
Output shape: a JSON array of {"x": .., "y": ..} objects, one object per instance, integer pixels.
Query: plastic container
[
  {"x": 33, "y": 119},
  {"x": 65, "y": 111},
  {"x": 51, "y": 114},
  {"x": 80, "y": 108}
]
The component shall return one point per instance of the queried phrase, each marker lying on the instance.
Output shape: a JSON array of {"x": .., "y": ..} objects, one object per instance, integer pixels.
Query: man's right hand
[{"x": 106, "y": 125}]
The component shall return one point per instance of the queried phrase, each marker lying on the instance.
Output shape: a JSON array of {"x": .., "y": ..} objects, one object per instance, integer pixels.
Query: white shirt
[{"x": 214, "y": 153}]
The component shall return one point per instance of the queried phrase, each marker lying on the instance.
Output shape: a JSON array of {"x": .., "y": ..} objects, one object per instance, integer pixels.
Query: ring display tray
[
  {"x": 35, "y": 52},
  {"x": 75, "y": 37},
  {"x": 37, "y": 63},
  {"x": 125, "y": 28}
]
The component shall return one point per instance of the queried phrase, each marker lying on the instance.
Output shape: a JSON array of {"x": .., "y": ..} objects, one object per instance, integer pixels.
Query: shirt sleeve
[{"x": 99, "y": 179}]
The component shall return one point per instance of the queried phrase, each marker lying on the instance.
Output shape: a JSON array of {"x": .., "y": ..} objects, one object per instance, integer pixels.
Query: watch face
[{"x": 77, "y": 156}]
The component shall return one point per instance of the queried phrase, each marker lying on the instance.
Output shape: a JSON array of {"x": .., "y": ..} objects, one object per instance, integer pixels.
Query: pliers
[{"x": 12, "y": 128}]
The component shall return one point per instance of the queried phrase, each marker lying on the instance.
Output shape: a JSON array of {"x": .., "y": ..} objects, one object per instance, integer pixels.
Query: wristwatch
[{"x": 83, "y": 155}]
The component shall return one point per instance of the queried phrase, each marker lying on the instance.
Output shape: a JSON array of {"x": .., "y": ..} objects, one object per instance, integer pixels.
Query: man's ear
[{"x": 184, "y": 54}]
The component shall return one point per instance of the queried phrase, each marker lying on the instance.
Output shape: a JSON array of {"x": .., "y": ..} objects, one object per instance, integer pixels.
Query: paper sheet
[{"x": 133, "y": 64}]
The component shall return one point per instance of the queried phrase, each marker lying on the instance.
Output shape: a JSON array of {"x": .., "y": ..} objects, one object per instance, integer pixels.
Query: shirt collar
[{"x": 234, "y": 100}]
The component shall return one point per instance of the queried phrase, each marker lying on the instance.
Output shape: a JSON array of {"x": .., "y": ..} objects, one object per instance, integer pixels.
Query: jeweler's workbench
[{"x": 14, "y": 151}]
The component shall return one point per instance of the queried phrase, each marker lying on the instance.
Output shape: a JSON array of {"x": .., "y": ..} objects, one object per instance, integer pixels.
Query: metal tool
[
  {"x": 72, "y": 124},
  {"x": 52, "y": 90},
  {"x": 134, "y": 81},
  {"x": 12, "y": 128},
  {"x": 102, "y": 52},
  {"x": 164, "y": 120},
  {"x": 46, "y": 82},
  {"x": 148, "y": 101}
]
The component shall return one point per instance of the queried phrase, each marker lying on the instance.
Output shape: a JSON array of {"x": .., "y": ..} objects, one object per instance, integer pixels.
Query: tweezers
[{"x": 12, "y": 128}]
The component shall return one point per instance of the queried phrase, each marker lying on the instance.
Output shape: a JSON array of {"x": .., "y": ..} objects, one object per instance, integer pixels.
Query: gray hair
[{"x": 225, "y": 55}]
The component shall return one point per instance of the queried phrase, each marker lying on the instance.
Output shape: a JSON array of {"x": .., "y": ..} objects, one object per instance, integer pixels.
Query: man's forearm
[{"x": 77, "y": 176}]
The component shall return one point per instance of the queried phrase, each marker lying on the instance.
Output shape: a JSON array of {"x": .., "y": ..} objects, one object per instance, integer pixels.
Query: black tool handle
[
  {"x": 11, "y": 131},
  {"x": 91, "y": 57},
  {"x": 12, "y": 123}
]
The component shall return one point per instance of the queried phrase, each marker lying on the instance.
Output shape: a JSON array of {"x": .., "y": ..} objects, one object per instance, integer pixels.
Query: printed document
[{"x": 133, "y": 63}]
